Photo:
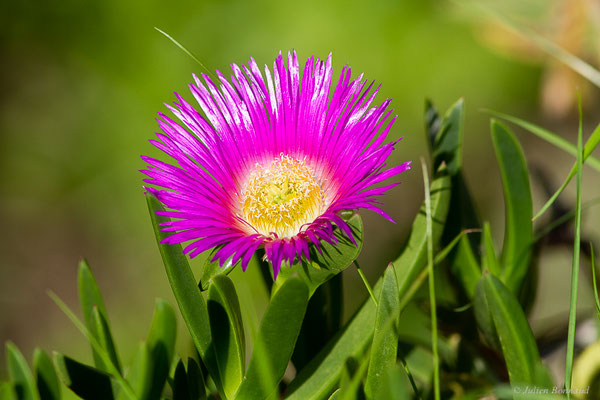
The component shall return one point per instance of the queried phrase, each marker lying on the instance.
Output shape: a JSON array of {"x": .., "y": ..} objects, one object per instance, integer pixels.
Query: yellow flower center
[{"x": 282, "y": 197}]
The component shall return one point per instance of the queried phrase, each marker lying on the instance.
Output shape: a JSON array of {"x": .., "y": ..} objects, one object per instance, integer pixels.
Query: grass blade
[
  {"x": 589, "y": 147},
  {"x": 185, "y": 50},
  {"x": 575, "y": 266},
  {"x": 550, "y": 137}
]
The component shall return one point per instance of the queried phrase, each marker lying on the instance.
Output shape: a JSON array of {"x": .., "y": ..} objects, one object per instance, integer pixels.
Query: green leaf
[
  {"x": 433, "y": 122},
  {"x": 227, "y": 331},
  {"x": 212, "y": 269},
  {"x": 489, "y": 262},
  {"x": 385, "y": 337},
  {"x": 518, "y": 233},
  {"x": 97, "y": 325},
  {"x": 589, "y": 147},
  {"x": 20, "y": 374},
  {"x": 447, "y": 145},
  {"x": 484, "y": 319},
  {"x": 161, "y": 345},
  {"x": 333, "y": 258},
  {"x": 189, "y": 298},
  {"x": 595, "y": 285},
  {"x": 275, "y": 340},
  {"x": 46, "y": 379},
  {"x": 86, "y": 382},
  {"x": 516, "y": 339},
  {"x": 318, "y": 378}
]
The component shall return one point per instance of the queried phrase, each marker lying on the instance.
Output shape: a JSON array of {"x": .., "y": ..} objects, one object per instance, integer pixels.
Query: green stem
[
  {"x": 575, "y": 267},
  {"x": 410, "y": 378},
  {"x": 366, "y": 282},
  {"x": 434, "y": 333}
]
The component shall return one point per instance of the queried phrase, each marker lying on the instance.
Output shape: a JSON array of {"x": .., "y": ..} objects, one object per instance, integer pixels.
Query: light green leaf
[
  {"x": 7, "y": 391},
  {"x": 139, "y": 374},
  {"x": 319, "y": 377},
  {"x": 385, "y": 337},
  {"x": 91, "y": 299},
  {"x": 516, "y": 339},
  {"x": 189, "y": 298},
  {"x": 46, "y": 379},
  {"x": 275, "y": 340},
  {"x": 351, "y": 385},
  {"x": 483, "y": 316},
  {"x": 20, "y": 374},
  {"x": 227, "y": 331},
  {"x": 86, "y": 382},
  {"x": 394, "y": 384},
  {"x": 518, "y": 232}
]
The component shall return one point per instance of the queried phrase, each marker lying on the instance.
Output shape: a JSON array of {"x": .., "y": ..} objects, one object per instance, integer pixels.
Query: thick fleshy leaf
[
  {"x": 47, "y": 381},
  {"x": 20, "y": 374},
  {"x": 212, "y": 269},
  {"x": 318, "y": 378},
  {"x": 227, "y": 331},
  {"x": 516, "y": 338},
  {"x": 331, "y": 260},
  {"x": 92, "y": 304},
  {"x": 189, "y": 298},
  {"x": 275, "y": 340},
  {"x": 86, "y": 382},
  {"x": 385, "y": 338},
  {"x": 518, "y": 232},
  {"x": 161, "y": 345}
]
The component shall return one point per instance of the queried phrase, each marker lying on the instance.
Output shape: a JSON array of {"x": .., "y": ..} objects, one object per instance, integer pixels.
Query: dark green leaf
[
  {"x": 86, "y": 382},
  {"x": 321, "y": 322},
  {"x": 433, "y": 122},
  {"x": 227, "y": 331},
  {"x": 484, "y": 319},
  {"x": 189, "y": 298},
  {"x": 333, "y": 258},
  {"x": 385, "y": 338},
  {"x": 45, "y": 376},
  {"x": 275, "y": 340},
  {"x": 188, "y": 385},
  {"x": 518, "y": 232},
  {"x": 351, "y": 389},
  {"x": 20, "y": 374},
  {"x": 91, "y": 298},
  {"x": 318, "y": 378},
  {"x": 516, "y": 339}
]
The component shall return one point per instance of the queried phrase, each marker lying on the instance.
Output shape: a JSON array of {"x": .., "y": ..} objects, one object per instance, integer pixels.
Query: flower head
[{"x": 273, "y": 161}]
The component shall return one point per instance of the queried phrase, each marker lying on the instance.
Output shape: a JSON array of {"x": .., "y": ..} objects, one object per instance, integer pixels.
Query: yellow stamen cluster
[{"x": 281, "y": 197}]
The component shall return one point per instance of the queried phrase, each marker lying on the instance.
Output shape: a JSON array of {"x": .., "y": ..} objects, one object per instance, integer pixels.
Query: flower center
[{"x": 282, "y": 197}]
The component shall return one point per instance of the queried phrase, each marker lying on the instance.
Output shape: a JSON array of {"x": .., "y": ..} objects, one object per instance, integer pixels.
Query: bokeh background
[{"x": 81, "y": 83}]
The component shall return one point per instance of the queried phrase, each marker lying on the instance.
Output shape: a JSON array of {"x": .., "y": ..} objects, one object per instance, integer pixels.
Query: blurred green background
[{"x": 81, "y": 83}]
